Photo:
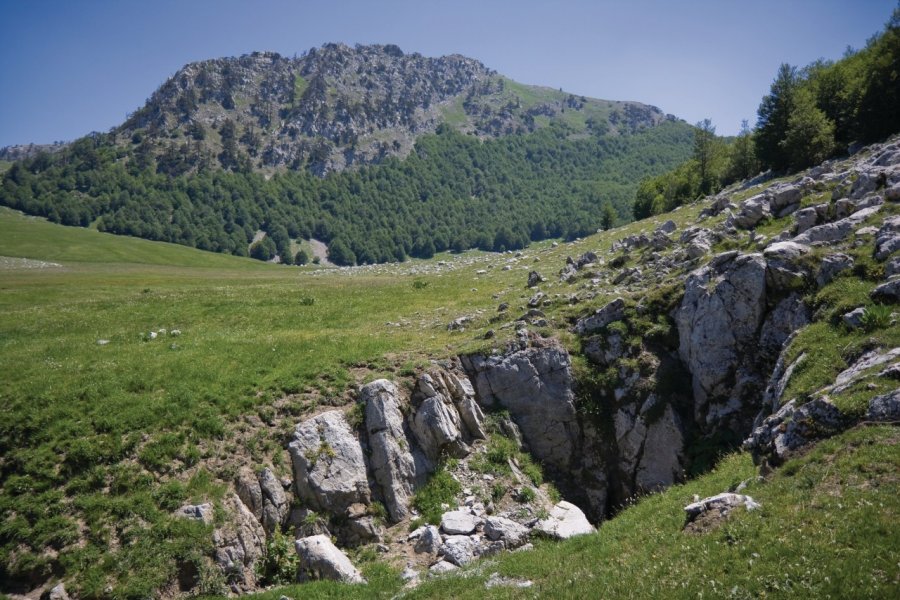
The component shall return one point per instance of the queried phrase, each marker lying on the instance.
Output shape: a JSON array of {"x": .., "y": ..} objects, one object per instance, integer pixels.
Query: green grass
[{"x": 827, "y": 528}]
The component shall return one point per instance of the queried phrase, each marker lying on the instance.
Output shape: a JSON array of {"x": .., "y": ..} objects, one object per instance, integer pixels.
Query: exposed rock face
[
  {"x": 263, "y": 496},
  {"x": 566, "y": 520},
  {"x": 705, "y": 514},
  {"x": 320, "y": 559},
  {"x": 536, "y": 386},
  {"x": 784, "y": 265},
  {"x": 436, "y": 423},
  {"x": 391, "y": 460},
  {"x": 240, "y": 543},
  {"x": 718, "y": 322},
  {"x": 793, "y": 427},
  {"x": 329, "y": 470}
]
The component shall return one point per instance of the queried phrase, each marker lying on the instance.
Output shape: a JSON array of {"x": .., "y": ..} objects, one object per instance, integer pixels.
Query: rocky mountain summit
[
  {"x": 691, "y": 336},
  {"x": 337, "y": 106}
]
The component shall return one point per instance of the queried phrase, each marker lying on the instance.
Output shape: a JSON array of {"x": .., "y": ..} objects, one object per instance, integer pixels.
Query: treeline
[
  {"x": 453, "y": 192},
  {"x": 809, "y": 115}
]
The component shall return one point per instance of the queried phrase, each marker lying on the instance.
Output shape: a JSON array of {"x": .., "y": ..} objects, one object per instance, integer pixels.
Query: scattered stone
[
  {"x": 458, "y": 549},
  {"x": 197, "y": 512},
  {"x": 887, "y": 240},
  {"x": 321, "y": 559},
  {"x": 706, "y": 514},
  {"x": 566, "y": 520},
  {"x": 885, "y": 407},
  {"x": 441, "y": 567},
  {"x": 534, "y": 278},
  {"x": 511, "y": 533},
  {"x": 495, "y": 580},
  {"x": 831, "y": 266},
  {"x": 887, "y": 292},
  {"x": 429, "y": 541},
  {"x": 667, "y": 227},
  {"x": 58, "y": 592},
  {"x": 854, "y": 318},
  {"x": 458, "y": 522},
  {"x": 102, "y": 342}
]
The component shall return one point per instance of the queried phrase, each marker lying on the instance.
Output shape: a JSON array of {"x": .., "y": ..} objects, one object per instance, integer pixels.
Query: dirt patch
[
  {"x": 10, "y": 263},
  {"x": 320, "y": 250}
]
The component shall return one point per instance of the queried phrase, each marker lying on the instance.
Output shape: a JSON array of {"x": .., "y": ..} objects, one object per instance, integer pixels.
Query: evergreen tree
[{"x": 773, "y": 115}]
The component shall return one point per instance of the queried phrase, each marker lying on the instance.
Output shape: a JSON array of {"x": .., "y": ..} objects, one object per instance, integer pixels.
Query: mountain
[{"x": 378, "y": 153}]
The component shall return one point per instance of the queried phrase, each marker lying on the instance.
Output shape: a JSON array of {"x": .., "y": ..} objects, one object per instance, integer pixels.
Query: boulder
[
  {"x": 806, "y": 218},
  {"x": 391, "y": 461},
  {"x": 566, "y": 520},
  {"x": 459, "y": 522},
  {"x": 429, "y": 541},
  {"x": 536, "y": 385},
  {"x": 892, "y": 267},
  {"x": 752, "y": 211},
  {"x": 785, "y": 269},
  {"x": 831, "y": 266},
  {"x": 512, "y": 534},
  {"x": 858, "y": 369},
  {"x": 854, "y": 318},
  {"x": 887, "y": 240},
  {"x": 885, "y": 407},
  {"x": 784, "y": 196},
  {"x": 329, "y": 469},
  {"x": 611, "y": 312},
  {"x": 321, "y": 559},
  {"x": 458, "y": 549},
  {"x": 446, "y": 414},
  {"x": 534, "y": 278},
  {"x": 441, "y": 567},
  {"x": 887, "y": 292},
  {"x": 718, "y": 320},
  {"x": 667, "y": 227}
]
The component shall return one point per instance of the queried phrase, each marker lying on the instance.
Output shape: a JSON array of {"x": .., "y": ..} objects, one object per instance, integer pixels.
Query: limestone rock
[
  {"x": 854, "y": 318},
  {"x": 784, "y": 266},
  {"x": 667, "y": 227},
  {"x": 718, "y": 319},
  {"x": 458, "y": 522},
  {"x": 329, "y": 469},
  {"x": 752, "y": 211},
  {"x": 239, "y": 543},
  {"x": 441, "y": 567},
  {"x": 566, "y": 520},
  {"x": 511, "y": 533},
  {"x": 837, "y": 231},
  {"x": 887, "y": 292},
  {"x": 320, "y": 559},
  {"x": 536, "y": 385},
  {"x": 887, "y": 241},
  {"x": 534, "y": 278},
  {"x": 788, "y": 316},
  {"x": 614, "y": 311},
  {"x": 430, "y": 541},
  {"x": 831, "y": 266},
  {"x": 197, "y": 512},
  {"x": 715, "y": 508},
  {"x": 885, "y": 407},
  {"x": 391, "y": 461},
  {"x": 58, "y": 592},
  {"x": 275, "y": 502},
  {"x": 458, "y": 549},
  {"x": 792, "y": 427}
]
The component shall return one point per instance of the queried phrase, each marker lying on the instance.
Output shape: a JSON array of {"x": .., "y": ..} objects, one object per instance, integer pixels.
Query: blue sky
[{"x": 71, "y": 67}]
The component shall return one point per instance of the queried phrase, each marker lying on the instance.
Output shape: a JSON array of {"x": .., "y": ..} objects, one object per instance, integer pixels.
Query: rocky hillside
[
  {"x": 761, "y": 317},
  {"x": 337, "y": 106}
]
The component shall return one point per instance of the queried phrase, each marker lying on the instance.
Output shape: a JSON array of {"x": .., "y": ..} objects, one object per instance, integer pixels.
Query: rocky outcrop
[
  {"x": 718, "y": 323},
  {"x": 239, "y": 544},
  {"x": 704, "y": 515},
  {"x": 263, "y": 495},
  {"x": 536, "y": 386},
  {"x": 329, "y": 469},
  {"x": 321, "y": 559},
  {"x": 393, "y": 464}
]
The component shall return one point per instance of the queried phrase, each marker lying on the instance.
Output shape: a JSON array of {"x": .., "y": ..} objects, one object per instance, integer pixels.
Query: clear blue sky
[{"x": 69, "y": 67}]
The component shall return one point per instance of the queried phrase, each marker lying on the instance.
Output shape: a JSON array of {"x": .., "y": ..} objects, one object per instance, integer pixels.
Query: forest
[{"x": 453, "y": 192}]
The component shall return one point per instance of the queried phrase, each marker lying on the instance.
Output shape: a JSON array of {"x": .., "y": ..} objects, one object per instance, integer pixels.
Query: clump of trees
[{"x": 808, "y": 116}]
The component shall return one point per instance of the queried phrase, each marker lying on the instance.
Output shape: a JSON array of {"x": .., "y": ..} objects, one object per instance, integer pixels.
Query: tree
[
  {"x": 705, "y": 150},
  {"x": 301, "y": 258},
  {"x": 810, "y": 135},
  {"x": 263, "y": 249},
  {"x": 340, "y": 253},
  {"x": 773, "y": 115},
  {"x": 607, "y": 216},
  {"x": 742, "y": 162}
]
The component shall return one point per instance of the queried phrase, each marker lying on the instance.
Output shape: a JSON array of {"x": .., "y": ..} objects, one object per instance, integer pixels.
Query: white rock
[
  {"x": 458, "y": 522},
  {"x": 323, "y": 560},
  {"x": 566, "y": 520}
]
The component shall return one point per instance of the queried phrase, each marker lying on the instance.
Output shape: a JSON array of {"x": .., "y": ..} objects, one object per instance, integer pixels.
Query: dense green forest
[
  {"x": 809, "y": 115},
  {"x": 453, "y": 191}
]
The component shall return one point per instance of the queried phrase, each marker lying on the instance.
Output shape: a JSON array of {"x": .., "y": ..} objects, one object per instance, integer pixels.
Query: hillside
[
  {"x": 380, "y": 154},
  {"x": 140, "y": 461}
]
